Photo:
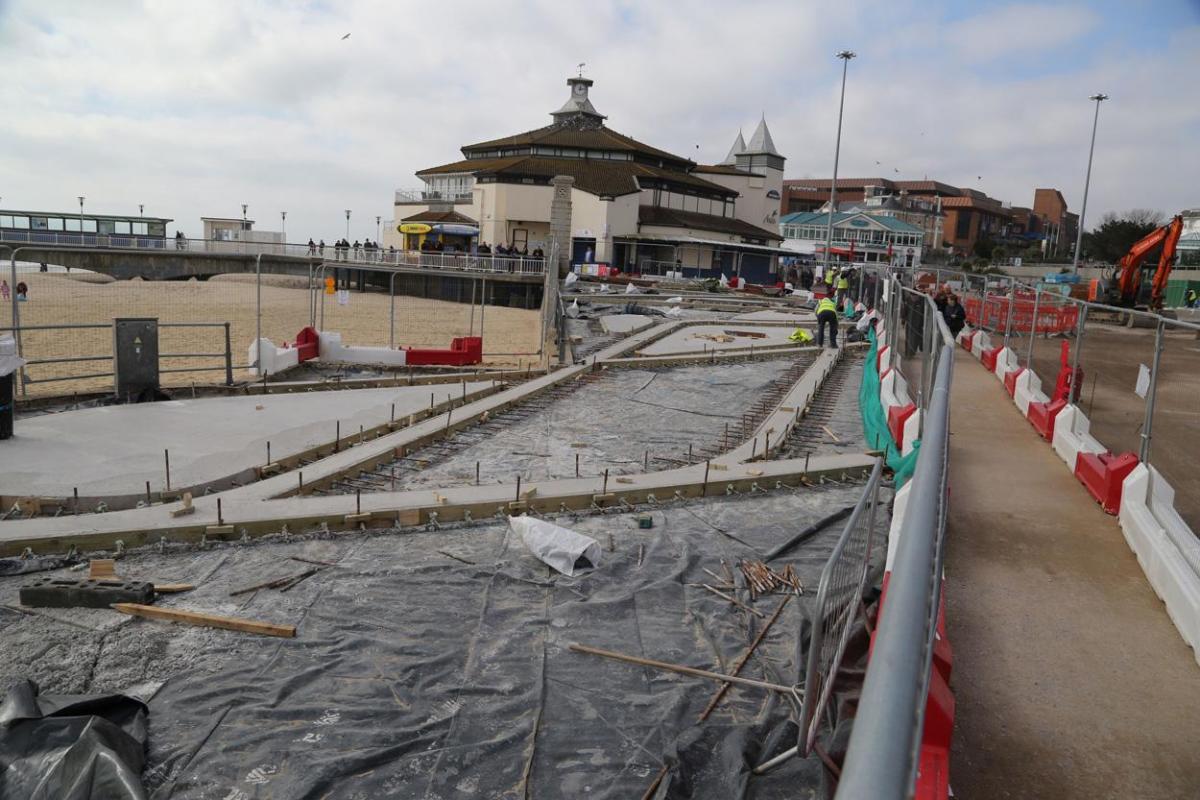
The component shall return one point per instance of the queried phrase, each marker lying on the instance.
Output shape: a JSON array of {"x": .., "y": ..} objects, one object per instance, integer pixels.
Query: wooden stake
[
  {"x": 220, "y": 519},
  {"x": 733, "y": 600},
  {"x": 167, "y": 463},
  {"x": 148, "y": 500},
  {"x": 697, "y": 673},
  {"x": 741, "y": 662},
  {"x": 206, "y": 620}
]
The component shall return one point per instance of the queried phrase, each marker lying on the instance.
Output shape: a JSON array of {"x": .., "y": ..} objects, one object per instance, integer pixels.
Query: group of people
[
  {"x": 836, "y": 287},
  {"x": 342, "y": 249},
  {"x": 951, "y": 309},
  {"x": 485, "y": 249},
  {"x": 6, "y": 293}
]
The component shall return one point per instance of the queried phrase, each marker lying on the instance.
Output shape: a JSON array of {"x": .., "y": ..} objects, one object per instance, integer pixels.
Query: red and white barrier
[
  {"x": 1166, "y": 548},
  {"x": 964, "y": 337},
  {"x": 1006, "y": 362},
  {"x": 1072, "y": 436},
  {"x": 1028, "y": 389},
  {"x": 910, "y": 432},
  {"x": 332, "y": 349}
]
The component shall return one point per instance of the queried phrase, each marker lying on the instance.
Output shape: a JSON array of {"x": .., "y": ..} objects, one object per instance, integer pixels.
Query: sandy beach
[{"x": 89, "y": 298}]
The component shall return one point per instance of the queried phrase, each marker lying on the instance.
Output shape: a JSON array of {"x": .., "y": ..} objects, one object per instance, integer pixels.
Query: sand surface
[{"x": 78, "y": 298}]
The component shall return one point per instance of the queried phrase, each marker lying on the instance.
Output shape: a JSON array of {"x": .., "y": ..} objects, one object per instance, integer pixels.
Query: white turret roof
[
  {"x": 761, "y": 142},
  {"x": 739, "y": 146}
]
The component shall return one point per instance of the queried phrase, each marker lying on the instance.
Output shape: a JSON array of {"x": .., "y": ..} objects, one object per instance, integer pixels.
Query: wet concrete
[{"x": 1070, "y": 680}]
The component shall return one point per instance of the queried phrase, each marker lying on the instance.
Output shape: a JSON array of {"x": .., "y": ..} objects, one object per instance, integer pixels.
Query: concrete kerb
[{"x": 248, "y": 518}]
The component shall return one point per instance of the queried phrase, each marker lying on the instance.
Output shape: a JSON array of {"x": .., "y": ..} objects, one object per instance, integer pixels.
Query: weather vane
[{"x": 582, "y": 64}]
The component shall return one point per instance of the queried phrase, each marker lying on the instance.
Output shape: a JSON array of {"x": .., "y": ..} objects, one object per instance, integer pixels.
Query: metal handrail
[
  {"x": 886, "y": 740},
  {"x": 463, "y": 261}
]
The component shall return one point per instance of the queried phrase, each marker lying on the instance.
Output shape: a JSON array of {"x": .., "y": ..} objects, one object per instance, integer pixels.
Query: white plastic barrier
[
  {"x": 1072, "y": 437},
  {"x": 893, "y": 390},
  {"x": 274, "y": 359},
  {"x": 899, "y": 506},
  {"x": 965, "y": 335},
  {"x": 980, "y": 343},
  {"x": 885, "y": 359},
  {"x": 1006, "y": 362},
  {"x": 1028, "y": 390},
  {"x": 1165, "y": 547},
  {"x": 910, "y": 432},
  {"x": 332, "y": 349}
]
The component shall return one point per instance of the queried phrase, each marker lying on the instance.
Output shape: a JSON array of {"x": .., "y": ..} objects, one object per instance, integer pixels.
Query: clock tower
[{"x": 578, "y": 110}]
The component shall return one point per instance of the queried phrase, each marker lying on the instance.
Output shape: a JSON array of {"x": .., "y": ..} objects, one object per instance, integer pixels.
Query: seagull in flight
[{"x": 344, "y": 38}]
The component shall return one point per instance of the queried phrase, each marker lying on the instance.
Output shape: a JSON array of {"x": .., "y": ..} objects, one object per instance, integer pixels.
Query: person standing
[
  {"x": 827, "y": 315},
  {"x": 1191, "y": 298},
  {"x": 955, "y": 315}
]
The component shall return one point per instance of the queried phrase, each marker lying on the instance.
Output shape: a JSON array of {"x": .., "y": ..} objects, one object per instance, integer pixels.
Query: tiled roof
[
  {"x": 822, "y": 218},
  {"x": 984, "y": 204},
  {"x": 674, "y": 218},
  {"x": 928, "y": 186},
  {"x": 452, "y": 217},
  {"x": 597, "y": 138},
  {"x": 595, "y": 176},
  {"x": 843, "y": 183},
  {"x": 724, "y": 169}
]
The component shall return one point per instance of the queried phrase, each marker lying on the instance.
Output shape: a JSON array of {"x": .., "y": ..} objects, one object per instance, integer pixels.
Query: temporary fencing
[
  {"x": 899, "y": 746},
  {"x": 1102, "y": 385}
]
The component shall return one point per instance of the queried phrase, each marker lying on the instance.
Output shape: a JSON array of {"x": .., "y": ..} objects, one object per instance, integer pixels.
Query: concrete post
[{"x": 559, "y": 260}]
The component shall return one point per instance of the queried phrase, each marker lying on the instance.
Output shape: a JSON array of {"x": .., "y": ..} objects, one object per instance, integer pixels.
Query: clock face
[{"x": 580, "y": 89}]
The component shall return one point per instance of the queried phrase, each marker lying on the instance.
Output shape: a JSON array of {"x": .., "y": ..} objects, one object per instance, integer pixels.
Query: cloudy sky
[{"x": 194, "y": 108}]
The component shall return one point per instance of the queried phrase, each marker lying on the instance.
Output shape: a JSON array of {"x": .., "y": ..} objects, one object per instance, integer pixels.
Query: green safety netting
[{"x": 875, "y": 418}]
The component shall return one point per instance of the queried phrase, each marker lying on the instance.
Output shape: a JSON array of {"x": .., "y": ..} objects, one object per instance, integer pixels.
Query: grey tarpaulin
[
  {"x": 416, "y": 674},
  {"x": 71, "y": 747}
]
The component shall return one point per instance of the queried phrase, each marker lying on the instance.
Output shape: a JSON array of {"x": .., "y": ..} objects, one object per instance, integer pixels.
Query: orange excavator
[{"x": 1125, "y": 285}]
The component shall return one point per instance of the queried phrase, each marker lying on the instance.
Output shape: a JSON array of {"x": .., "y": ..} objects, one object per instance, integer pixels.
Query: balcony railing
[
  {"x": 461, "y": 261},
  {"x": 431, "y": 196}
]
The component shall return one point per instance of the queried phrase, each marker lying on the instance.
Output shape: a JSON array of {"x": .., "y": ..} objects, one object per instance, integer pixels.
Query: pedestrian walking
[{"x": 955, "y": 315}]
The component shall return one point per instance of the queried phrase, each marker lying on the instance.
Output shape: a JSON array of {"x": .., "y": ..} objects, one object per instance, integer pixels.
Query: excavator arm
[{"x": 1129, "y": 268}]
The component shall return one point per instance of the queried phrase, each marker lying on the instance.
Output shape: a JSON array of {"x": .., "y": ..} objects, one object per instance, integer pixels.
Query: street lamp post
[
  {"x": 377, "y": 220},
  {"x": 347, "y": 224},
  {"x": 1099, "y": 98},
  {"x": 141, "y": 209},
  {"x": 81, "y": 199},
  {"x": 845, "y": 56},
  {"x": 283, "y": 224},
  {"x": 245, "y": 222}
]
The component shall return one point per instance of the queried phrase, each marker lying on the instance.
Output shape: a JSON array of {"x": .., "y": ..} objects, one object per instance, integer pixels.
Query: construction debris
[
  {"x": 102, "y": 568},
  {"x": 681, "y": 669},
  {"x": 763, "y": 580},
  {"x": 206, "y": 620},
  {"x": 50, "y": 592}
]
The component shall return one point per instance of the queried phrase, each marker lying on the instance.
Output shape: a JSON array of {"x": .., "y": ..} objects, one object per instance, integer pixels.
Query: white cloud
[
  {"x": 1017, "y": 29},
  {"x": 196, "y": 108}
]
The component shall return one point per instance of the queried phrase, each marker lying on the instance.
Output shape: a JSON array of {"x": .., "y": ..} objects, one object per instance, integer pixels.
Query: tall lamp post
[
  {"x": 81, "y": 199},
  {"x": 283, "y": 224},
  {"x": 1099, "y": 98},
  {"x": 245, "y": 222},
  {"x": 845, "y": 56},
  {"x": 141, "y": 209},
  {"x": 377, "y": 220},
  {"x": 347, "y": 224}
]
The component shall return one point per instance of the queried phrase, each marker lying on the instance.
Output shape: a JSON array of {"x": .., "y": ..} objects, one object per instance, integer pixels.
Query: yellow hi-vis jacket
[
  {"x": 825, "y": 304},
  {"x": 843, "y": 283}
]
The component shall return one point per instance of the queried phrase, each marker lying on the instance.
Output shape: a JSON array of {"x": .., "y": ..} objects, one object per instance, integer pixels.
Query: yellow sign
[
  {"x": 414, "y": 227},
  {"x": 329, "y": 286}
]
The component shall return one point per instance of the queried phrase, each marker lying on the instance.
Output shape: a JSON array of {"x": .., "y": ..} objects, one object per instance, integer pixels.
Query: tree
[
  {"x": 983, "y": 247},
  {"x": 1113, "y": 237}
]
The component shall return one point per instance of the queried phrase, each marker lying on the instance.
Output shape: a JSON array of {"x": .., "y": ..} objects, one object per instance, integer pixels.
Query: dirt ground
[
  {"x": 57, "y": 298},
  {"x": 1110, "y": 358}
]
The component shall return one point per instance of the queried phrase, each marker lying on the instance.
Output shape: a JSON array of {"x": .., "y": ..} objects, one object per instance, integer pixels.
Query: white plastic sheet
[{"x": 556, "y": 546}]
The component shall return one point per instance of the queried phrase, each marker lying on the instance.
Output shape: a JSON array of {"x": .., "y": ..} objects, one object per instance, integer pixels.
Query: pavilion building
[{"x": 633, "y": 205}]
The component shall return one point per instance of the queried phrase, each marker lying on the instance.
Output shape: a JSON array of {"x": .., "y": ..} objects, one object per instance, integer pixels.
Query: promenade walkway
[{"x": 1071, "y": 681}]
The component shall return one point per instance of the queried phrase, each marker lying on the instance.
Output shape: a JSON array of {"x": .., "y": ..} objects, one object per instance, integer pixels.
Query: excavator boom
[{"x": 1129, "y": 279}]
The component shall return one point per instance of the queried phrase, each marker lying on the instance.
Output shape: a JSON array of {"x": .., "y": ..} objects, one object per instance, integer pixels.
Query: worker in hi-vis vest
[
  {"x": 843, "y": 288},
  {"x": 827, "y": 315}
]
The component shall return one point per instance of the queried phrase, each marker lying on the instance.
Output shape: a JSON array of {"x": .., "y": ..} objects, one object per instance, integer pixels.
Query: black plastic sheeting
[
  {"x": 71, "y": 747},
  {"x": 414, "y": 674}
]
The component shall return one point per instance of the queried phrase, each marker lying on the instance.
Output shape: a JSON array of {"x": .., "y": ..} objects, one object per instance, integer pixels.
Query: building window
[
  {"x": 962, "y": 227},
  {"x": 121, "y": 227},
  {"x": 72, "y": 224},
  {"x": 89, "y": 225},
  {"x": 39, "y": 223},
  {"x": 104, "y": 226},
  {"x": 54, "y": 223},
  {"x": 140, "y": 228},
  {"x": 20, "y": 222}
]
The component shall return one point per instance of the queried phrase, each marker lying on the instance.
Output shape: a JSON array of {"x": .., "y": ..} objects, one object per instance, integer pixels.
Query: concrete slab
[
  {"x": 116, "y": 449},
  {"x": 693, "y": 339},
  {"x": 797, "y": 317},
  {"x": 625, "y": 323}
]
